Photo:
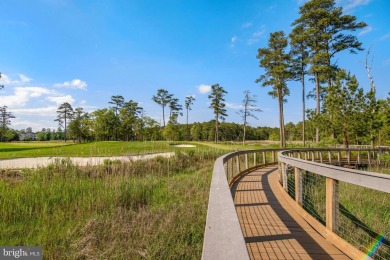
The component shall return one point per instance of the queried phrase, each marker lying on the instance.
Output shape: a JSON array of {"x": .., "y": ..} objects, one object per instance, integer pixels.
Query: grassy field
[
  {"x": 143, "y": 209},
  {"x": 39, "y": 149}
]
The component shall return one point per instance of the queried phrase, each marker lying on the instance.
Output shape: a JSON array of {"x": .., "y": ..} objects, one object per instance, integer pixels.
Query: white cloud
[
  {"x": 233, "y": 106},
  {"x": 22, "y": 95},
  {"x": 39, "y": 111},
  {"x": 6, "y": 80},
  {"x": 233, "y": 41},
  {"x": 203, "y": 89},
  {"x": 386, "y": 62},
  {"x": 61, "y": 99},
  {"x": 350, "y": 4},
  {"x": 24, "y": 78},
  {"x": 365, "y": 30},
  {"x": 74, "y": 84},
  {"x": 256, "y": 35}
]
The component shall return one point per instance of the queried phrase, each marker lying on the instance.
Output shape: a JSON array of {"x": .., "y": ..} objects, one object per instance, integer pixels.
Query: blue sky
[{"x": 84, "y": 52}]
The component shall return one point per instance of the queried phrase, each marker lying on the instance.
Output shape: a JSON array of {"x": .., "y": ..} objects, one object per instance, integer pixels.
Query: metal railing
[
  {"x": 303, "y": 172},
  {"x": 349, "y": 207}
]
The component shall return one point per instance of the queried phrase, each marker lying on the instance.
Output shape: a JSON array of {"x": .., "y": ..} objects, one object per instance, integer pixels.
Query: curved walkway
[
  {"x": 272, "y": 228},
  {"x": 81, "y": 161}
]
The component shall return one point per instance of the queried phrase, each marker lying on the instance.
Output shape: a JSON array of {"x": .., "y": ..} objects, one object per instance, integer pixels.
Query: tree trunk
[
  {"x": 281, "y": 120},
  {"x": 243, "y": 138},
  {"x": 65, "y": 129},
  {"x": 303, "y": 107},
  {"x": 188, "y": 132},
  {"x": 216, "y": 129},
  {"x": 346, "y": 140},
  {"x": 318, "y": 104},
  {"x": 163, "y": 116}
]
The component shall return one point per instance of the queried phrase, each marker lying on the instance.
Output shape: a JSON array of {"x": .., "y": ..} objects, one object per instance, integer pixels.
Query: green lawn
[{"x": 40, "y": 149}]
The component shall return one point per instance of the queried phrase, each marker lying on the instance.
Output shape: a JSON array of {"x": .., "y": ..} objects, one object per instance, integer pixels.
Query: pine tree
[
  {"x": 188, "y": 103},
  {"x": 5, "y": 121},
  {"x": 322, "y": 25},
  {"x": 276, "y": 63},
  {"x": 162, "y": 98},
  {"x": 218, "y": 106},
  {"x": 300, "y": 59},
  {"x": 64, "y": 115}
]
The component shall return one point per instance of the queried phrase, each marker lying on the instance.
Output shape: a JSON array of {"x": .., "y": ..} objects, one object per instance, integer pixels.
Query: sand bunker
[
  {"x": 81, "y": 161},
  {"x": 184, "y": 145}
]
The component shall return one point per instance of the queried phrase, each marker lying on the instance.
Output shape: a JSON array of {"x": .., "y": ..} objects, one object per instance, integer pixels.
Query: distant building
[{"x": 27, "y": 137}]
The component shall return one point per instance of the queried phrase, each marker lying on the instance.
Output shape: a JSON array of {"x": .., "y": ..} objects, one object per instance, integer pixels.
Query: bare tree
[{"x": 248, "y": 109}]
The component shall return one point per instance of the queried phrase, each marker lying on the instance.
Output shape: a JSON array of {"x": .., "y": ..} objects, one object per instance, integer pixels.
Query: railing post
[
  {"x": 232, "y": 168},
  {"x": 359, "y": 156},
  {"x": 321, "y": 157},
  {"x": 238, "y": 163},
  {"x": 330, "y": 157},
  {"x": 284, "y": 175},
  {"x": 246, "y": 162},
  {"x": 298, "y": 185},
  {"x": 349, "y": 157},
  {"x": 339, "y": 157},
  {"x": 254, "y": 159},
  {"x": 331, "y": 204},
  {"x": 264, "y": 159},
  {"x": 273, "y": 156},
  {"x": 312, "y": 156},
  {"x": 369, "y": 157}
]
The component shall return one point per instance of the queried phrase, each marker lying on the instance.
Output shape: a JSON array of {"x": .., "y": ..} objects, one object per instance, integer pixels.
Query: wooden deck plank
[{"x": 272, "y": 228}]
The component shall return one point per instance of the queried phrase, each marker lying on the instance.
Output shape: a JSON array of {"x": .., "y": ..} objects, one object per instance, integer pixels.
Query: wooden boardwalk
[{"x": 271, "y": 227}]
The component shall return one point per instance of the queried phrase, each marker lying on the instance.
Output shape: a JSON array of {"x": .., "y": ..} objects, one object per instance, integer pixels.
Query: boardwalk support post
[
  {"x": 298, "y": 185},
  {"x": 331, "y": 204},
  {"x": 246, "y": 162}
]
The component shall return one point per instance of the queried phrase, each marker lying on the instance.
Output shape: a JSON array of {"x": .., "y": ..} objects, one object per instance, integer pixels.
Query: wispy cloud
[
  {"x": 22, "y": 95},
  {"x": 365, "y": 30},
  {"x": 385, "y": 36},
  {"x": 203, "y": 89},
  {"x": 233, "y": 106},
  {"x": 6, "y": 80},
  {"x": 233, "y": 41},
  {"x": 73, "y": 84},
  {"x": 61, "y": 99},
  {"x": 272, "y": 7},
  {"x": 246, "y": 25},
  {"x": 39, "y": 111},
  {"x": 351, "y": 4},
  {"x": 255, "y": 37},
  {"x": 386, "y": 62}
]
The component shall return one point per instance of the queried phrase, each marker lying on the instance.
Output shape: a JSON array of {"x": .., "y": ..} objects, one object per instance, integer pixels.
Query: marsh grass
[{"x": 141, "y": 209}]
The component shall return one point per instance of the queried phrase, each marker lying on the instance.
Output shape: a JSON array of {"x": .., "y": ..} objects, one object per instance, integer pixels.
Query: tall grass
[{"x": 141, "y": 209}]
